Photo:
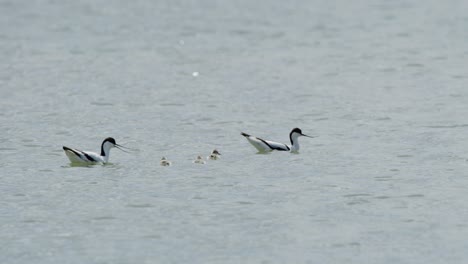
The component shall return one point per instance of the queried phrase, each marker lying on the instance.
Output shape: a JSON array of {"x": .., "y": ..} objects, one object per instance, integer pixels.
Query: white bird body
[
  {"x": 165, "y": 162},
  {"x": 214, "y": 155},
  {"x": 267, "y": 145},
  {"x": 199, "y": 160},
  {"x": 79, "y": 156}
]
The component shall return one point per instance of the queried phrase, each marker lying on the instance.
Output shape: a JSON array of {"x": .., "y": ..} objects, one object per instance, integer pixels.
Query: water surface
[{"x": 382, "y": 84}]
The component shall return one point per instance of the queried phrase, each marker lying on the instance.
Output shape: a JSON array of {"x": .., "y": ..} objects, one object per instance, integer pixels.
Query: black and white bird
[
  {"x": 78, "y": 156},
  {"x": 165, "y": 162},
  {"x": 266, "y": 145},
  {"x": 214, "y": 155}
]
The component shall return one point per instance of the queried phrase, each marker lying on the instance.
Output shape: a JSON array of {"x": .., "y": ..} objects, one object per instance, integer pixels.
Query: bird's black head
[
  {"x": 297, "y": 130},
  {"x": 112, "y": 143},
  {"x": 109, "y": 139}
]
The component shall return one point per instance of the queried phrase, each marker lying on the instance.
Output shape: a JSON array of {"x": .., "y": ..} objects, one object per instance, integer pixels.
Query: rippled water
[{"x": 381, "y": 83}]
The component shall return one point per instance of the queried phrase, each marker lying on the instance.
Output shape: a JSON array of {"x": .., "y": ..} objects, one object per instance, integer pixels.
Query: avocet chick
[
  {"x": 165, "y": 162},
  {"x": 199, "y": 160},
  {"x": 214, "y": 155}
]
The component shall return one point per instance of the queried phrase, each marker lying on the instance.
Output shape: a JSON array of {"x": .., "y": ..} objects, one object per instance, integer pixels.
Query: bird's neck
[
  {"x": 105, "y": 151},
  {"x": 294, "y": 143}
]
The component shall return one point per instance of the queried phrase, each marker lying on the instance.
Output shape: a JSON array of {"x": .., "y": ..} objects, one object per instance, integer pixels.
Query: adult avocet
[
  {"x": 78, "y": 156},
  {"x": 266, "y": 145}
]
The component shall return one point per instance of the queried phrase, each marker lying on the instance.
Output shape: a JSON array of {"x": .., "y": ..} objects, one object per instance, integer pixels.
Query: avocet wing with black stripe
[
  {"x": 78, "y": 156},
  {"x": 265, "y": 145}
]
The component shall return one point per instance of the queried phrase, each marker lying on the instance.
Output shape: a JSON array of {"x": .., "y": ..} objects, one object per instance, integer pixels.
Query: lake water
[{"x": 383, "y": 84}]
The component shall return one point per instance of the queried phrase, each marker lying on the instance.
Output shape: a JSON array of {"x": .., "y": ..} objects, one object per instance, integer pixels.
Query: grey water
[{"x": 382, "y": 84}]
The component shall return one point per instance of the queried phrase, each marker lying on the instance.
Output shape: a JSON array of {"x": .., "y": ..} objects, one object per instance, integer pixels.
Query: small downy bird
[
  {"x": 165, "y": 162},
  {"x": 199, "y": 160},
  {"x": 214, "y": 155},
  {"x": 88, "y": 157},
  {"x": 265, "y": 145}
]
